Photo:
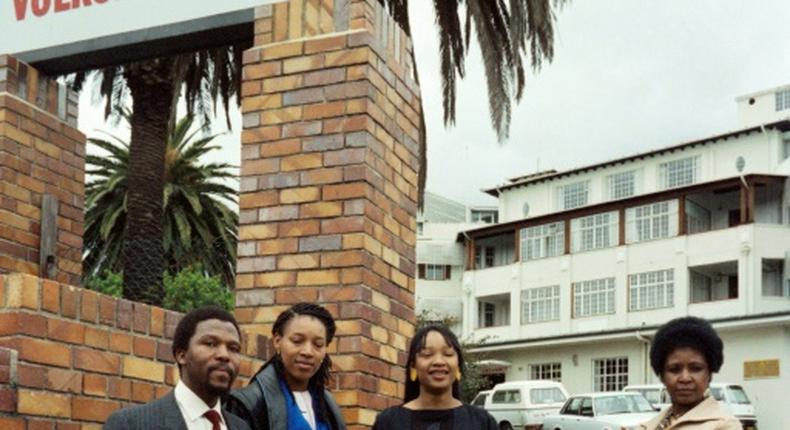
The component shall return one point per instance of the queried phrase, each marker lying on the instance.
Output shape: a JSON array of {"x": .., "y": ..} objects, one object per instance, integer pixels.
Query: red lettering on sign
[
  {"x": 61, "y": 6},
  {"x": 20, "y": 6},
  {"x": 41, "y": 7}
]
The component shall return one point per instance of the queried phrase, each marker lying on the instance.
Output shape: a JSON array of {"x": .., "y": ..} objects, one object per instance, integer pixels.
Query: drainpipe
[{"x": 645, "y": 342}]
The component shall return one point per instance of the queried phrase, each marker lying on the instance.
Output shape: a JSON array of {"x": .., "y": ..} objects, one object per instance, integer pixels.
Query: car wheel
[{"x": 505, "y": 426}]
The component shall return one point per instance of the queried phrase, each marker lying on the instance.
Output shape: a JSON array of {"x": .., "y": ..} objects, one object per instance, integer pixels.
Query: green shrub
[
  {"x": 186, "y": 290},
  {"x": 191, "y": 288},
  {"x": 109, "y": 283}
]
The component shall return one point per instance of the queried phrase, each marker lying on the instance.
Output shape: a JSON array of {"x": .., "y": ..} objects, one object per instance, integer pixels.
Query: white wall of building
[
  {"x": 768, "y": 395},
  {"x": 741, "y": 344},
  {"x": 760, "y": 108},
  {"x": 762, "y": 153},
  {"x": 747, "y": 245}
]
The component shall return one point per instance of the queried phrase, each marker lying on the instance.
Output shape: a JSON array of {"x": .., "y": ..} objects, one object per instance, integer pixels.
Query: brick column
[
  {"x": 329, "y": 187},
  {"x": 41, "y": 153}
]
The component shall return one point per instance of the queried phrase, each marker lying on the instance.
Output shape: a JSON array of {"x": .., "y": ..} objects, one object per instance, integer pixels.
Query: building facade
[
  {"x": 440, "y": 259},
  {"x": 585, "y": 264}
]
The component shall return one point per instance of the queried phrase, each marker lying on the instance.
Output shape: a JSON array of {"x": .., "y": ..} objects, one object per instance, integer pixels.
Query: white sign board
[{"x": 35, "y": 25}]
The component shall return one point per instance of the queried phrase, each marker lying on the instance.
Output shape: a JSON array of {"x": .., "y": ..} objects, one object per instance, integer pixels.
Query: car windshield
[
  {"x": 480, "y": 400},
  {"x": 546, "y": 395},
  {"x": 717, "y": 393},
  {"x": 652, "y": 395},
  {"x": 738, "y": 395},
  {"x": 621, "y": 404}
]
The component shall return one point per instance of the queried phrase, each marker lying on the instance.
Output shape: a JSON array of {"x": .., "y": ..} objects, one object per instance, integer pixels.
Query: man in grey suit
[{"x": 206, "y": 347}]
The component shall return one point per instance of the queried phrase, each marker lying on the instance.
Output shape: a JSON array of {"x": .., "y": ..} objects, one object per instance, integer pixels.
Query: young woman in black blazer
[{"x": 434, "y": 367}]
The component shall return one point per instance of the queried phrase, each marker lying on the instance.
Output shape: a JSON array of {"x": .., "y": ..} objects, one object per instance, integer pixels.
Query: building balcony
[{"x": 729, "y": 272}]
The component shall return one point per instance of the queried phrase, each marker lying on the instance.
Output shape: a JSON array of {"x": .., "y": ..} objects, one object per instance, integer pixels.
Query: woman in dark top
[
  {"x": 288, "y": 392},
  {"x": 434, "y": 367}
]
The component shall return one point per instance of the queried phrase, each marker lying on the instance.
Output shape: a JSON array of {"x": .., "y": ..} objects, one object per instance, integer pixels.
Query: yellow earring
[
  {"x": 457, "y": 374},
  {"x": 413, "y": 374}
]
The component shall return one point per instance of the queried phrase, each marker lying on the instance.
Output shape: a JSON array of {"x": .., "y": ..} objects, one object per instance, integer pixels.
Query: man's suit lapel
[
  {"x": 233, "y": 422},
  {"x": 172, "y": 419}
]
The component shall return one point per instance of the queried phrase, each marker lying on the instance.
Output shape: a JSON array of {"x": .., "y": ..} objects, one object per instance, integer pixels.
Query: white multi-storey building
[
  {"x": 440, "y": 259},
  {"x": 585, "y": 264}
]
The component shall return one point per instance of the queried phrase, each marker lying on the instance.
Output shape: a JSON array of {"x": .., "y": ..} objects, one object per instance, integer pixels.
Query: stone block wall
[
  {"x": 41, "y": 152},
  {"x": 329, "y": 187},
  {"x": 69, "y": 357}
]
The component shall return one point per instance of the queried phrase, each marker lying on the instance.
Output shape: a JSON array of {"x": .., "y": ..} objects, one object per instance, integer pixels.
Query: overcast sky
[{"x": 627, "y": 76}]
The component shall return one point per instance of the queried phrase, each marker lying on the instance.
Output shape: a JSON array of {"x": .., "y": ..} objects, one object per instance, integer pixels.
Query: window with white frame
[
  {"x": 490, "y": 253},
  {"x": 594, "y": 297},
  {"x": 775, "y": 280},
  {"x": 484, "y": 216},
  {"x": 540, "y": 304},
  {"x": 653, "y": 221},
  {"x": 436, "y": 272},
  {"x": 541, "y": 241},
  {"x": 546, "y": 371},
  {"x": 595, "y": 231},
  {"x": 610, "y": 374},
  {"x": 677, "y": 173},
  {"x": 651, "y": 290},
  {"x": 485, "y": 257},
  {"x": 697, "y": 218},
  {"x": 621, "y": 185},
  {"x": 486, "y": 313},
  {"x": 573, "y": 195},
  {"x": 782, "y": 100}
]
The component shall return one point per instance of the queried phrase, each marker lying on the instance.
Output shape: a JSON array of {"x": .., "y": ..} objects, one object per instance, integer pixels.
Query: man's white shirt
[{"x": 193, "y": 407}]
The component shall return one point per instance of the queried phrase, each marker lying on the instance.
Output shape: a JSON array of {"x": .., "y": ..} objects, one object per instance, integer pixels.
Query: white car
[
  {"x": 522, "y": 405},
  {"x": 601, "y": 411},
  {"x": 480, "y": 398}
]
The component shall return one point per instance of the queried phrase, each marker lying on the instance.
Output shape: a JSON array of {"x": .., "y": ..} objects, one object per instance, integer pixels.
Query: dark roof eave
[{"x": 783, "y": 125}]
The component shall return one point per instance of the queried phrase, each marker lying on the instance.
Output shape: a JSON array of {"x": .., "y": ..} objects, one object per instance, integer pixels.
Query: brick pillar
[
  {"x": 41, "y": 153},
  {"x": 329, "y": 187}
]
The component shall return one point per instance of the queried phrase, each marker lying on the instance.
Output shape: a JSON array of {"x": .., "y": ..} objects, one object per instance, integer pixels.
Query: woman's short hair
[
  {"x": 412, "y": 390},
  {"x": 687, "y": 332}
]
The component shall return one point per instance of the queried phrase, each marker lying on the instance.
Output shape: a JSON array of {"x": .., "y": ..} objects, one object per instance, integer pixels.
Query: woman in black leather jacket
[{"x": 288, "y": 391}]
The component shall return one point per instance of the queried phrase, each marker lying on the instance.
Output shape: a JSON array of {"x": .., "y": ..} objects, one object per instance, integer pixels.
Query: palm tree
[
  {"x": 154, "y": 87},
  {"x": 507, "y": 31},
  {"x": 198, "y": 225}
]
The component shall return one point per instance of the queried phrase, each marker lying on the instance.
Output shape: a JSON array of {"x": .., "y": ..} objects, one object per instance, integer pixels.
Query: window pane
[
  {"x": 610, "y": 374},
  {"x": 677, "y": 173},
  {"x": 546, "y": 371},
  {"x": 595, "y": 297},
  {"x": 573, "y": 195},
  {"x": 540, "y": 304},
  {"x": 595, "y": 231},
  {"x": 651, "y": 290},
  {"x": 653, "y": 221},
  {"x": 621, "y": 185}
]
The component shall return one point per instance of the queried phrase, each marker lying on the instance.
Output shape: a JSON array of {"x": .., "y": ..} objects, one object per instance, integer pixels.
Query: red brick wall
[
  {"x": 41, "y": 152},
  {"x": 329, "y": 187},
  {"x": 80, "y": 355}
]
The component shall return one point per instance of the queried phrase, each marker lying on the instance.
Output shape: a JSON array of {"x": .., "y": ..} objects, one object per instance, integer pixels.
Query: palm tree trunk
[{"x": 151, "y": 87}]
